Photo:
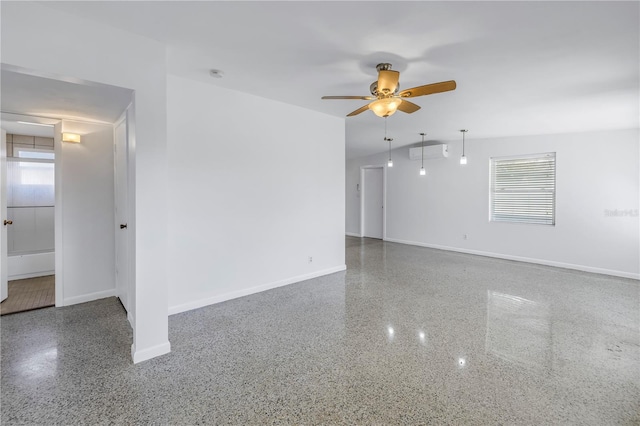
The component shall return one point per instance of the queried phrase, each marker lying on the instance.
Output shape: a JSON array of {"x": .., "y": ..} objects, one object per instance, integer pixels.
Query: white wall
[
  {"x": 595, "y": 172},
  {"x": 53, "y": 43},
  {"x": 88, "y": 219},
  {"x": 23, "y": 266},
  {"x": 256, "y": 187}
]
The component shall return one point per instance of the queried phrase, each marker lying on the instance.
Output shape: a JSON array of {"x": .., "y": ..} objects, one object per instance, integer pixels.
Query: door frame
[
  {"x": 122, "y": 120},
  {"x": 57, "y": 214},
  {"x": 4, "y": 293},
  {"x": 384, "y": 198}
]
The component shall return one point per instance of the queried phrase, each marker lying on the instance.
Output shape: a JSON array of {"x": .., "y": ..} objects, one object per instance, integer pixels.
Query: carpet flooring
[{"x": 29, "y": 294}]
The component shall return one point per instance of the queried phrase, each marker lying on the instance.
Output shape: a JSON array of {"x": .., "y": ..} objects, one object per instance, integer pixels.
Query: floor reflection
[
  {"x": 406, "y": 335},
  {"x": 518, "y": 330},
  {"x": 39, "y": 365}
]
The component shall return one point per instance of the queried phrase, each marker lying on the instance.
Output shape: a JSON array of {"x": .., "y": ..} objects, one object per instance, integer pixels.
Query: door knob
[
  {"x": 123, "y": 225},
  {"x": 8, "y": 222}
]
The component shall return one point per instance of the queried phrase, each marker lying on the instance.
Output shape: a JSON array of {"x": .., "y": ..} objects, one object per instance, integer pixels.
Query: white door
[
  {"x": 121, "y": 197},
  {"x": 373, "y": 202},
  {"x": 4, "y": 289}
]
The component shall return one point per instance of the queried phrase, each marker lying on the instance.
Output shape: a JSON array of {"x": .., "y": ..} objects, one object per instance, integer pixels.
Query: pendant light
[
  {"x": 423, "y": 172},
  {"x": 463, "y": 159},
  {"x": 390, "y": 162}
]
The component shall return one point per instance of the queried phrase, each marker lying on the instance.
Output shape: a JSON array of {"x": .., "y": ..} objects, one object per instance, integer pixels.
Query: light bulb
[
  {"x": 385, "y": 107},
  {"x": 423, "y": 171},
  {"x": 463, "y": 160},
  {"x": 390, "y": 163}
]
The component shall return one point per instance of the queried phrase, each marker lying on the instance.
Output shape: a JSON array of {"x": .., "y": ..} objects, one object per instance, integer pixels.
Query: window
[
  {"x": 523, "y": 189},
  {"x": 30, "y": 201}
]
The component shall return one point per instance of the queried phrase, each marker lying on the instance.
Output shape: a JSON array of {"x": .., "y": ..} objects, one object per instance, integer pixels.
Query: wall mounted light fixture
[{"x": 71, "y": 137}]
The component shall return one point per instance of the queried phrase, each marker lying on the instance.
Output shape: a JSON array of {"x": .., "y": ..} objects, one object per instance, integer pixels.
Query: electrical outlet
[
  {"x": 464, "y": 236},
  {"x": 310, "y": 259}
]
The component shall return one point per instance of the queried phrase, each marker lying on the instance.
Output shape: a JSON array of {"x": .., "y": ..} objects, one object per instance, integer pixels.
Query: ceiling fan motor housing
[{"x": 374, "y": 89}]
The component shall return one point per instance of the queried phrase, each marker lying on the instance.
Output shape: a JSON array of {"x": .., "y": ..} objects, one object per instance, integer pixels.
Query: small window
[
  {"x": 523, "y": 189},
  {"x": 38, "y": 154}
]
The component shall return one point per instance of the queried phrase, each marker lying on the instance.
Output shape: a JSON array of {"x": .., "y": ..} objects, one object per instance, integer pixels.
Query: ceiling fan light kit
[
  {"x": 385, "y": 107},
  {"x": 387, "y": 97}
]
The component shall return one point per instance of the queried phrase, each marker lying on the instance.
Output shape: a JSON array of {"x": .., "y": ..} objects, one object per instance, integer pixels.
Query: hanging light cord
[
  {"x": 386, "y": 138},
  {"x": 463, "y": 132},
  {"x": 385, "y": 128},
  {"x": 422, "y": 134}
]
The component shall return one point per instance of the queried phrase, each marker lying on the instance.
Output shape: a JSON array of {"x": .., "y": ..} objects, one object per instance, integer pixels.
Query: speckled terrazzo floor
[{"x": 407, "y": 335}]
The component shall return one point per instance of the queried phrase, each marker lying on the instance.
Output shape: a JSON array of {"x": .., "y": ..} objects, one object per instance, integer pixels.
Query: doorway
[
  {"x": 28, "y": 204},
  {"x": 372, "y": 202}
]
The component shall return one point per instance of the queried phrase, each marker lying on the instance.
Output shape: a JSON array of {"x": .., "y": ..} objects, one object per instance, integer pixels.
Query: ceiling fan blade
[
  {"x": 408, "y": 107},
  {"x": 364, "y": 98},
  {"x": 358, "y": 111},
  {"x": 428, "y": 89},
  {"x": 387, "y": 81}
]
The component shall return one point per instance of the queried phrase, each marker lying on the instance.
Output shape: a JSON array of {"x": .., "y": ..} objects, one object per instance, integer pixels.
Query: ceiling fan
[{"x": 389, "y": 98}]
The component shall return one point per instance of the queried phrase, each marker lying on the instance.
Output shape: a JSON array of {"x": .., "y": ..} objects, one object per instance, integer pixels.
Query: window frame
[{"x": 492, "y": 191}]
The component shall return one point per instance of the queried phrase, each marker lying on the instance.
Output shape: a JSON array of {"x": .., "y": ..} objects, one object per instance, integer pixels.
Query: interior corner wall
[
  {"x": 597, "y": 173},
  {"x": 78, "y": 48},
  {"x": 256, "y": 189},
  {"x": 88, "y": 220}
]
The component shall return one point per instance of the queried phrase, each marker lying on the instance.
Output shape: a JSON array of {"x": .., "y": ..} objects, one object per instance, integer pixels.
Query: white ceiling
[
  {"x": 11, "y": 123},
  {"x": 38, "y": 96},
  {"x": 521, "y": 67}
]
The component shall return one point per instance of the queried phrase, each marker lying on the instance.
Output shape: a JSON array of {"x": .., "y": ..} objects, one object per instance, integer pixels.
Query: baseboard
[
  {"x": 89, "y": 297},
  {"x": 352, "y": 234},
  {"x": 32, "y": 275},
  {"x": 252, "y": 290},
  {"x": 583, "y": 268},
  {"x": 130, "y": 319},
  {"x": 152, "y": 352}
]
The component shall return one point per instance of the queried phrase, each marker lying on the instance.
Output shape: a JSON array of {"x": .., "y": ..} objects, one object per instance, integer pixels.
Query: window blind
[{"x": 523, "y": 189}]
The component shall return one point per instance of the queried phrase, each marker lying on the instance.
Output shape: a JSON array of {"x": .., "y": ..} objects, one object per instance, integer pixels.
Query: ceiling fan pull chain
[{"x": 385, "y": 128}]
